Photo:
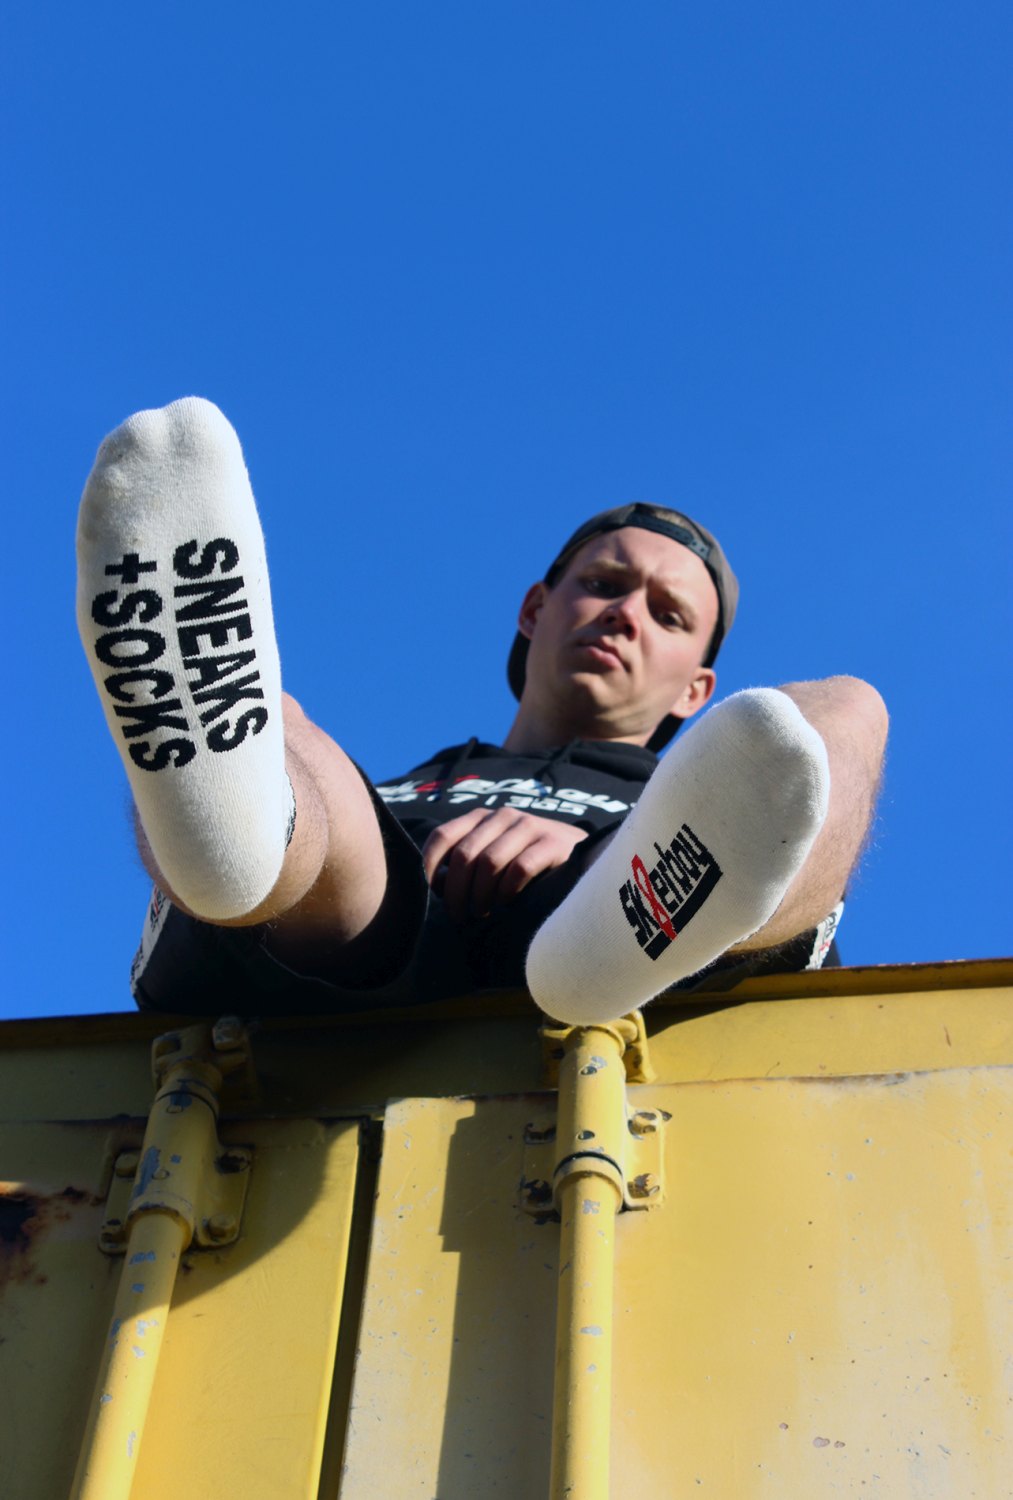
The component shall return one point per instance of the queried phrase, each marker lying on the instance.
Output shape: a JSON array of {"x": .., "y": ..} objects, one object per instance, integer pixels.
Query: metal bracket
[
  {"x": 636, "y": 1058},
  {"x": 182, "y": 1168},
  {"x": 642, "y": 1166},
  {"x": 222, "y": 1201}
]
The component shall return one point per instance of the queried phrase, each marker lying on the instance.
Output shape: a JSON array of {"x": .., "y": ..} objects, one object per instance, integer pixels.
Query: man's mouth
[{"x": 604, "y": 652}]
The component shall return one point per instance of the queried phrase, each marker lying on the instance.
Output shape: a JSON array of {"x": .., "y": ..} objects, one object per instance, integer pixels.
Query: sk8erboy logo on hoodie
[{"x": 658, "y": 902}]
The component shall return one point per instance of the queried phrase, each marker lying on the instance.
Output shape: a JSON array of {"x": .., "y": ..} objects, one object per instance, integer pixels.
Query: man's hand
[{"x": 486, "y": 858}]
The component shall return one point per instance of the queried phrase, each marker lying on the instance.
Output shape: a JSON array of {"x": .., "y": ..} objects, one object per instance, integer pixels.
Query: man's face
[{"x": 616, "y": 643}]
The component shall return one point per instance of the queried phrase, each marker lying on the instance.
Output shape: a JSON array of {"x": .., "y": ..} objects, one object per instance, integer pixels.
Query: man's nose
[{"x": 622, "y": 614}]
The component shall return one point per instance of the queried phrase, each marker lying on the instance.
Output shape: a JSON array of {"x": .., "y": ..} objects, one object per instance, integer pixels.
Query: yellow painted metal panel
[
  {"x": 845, "y": 1020},
  {"x": 453, "y": 1386},
  {"x": 824, "y": 1306},
  {"x": 821, "y": 1306},
  {"x": 240, "y": 1400}
]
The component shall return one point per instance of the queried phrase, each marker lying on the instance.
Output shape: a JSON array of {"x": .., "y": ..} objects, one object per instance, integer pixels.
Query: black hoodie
[{"x": 590, "y": 784}]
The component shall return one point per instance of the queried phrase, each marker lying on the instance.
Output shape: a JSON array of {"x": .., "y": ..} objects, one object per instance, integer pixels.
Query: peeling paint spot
[
  {"x": 140, "y": 1353},
  {"x": 176, "y": 1159},
  {"x": 592, "y": 1369},
  {"x": 104, "y": 1400},
  {"x": 137, "y": 1287},
  {"x": 838, "y": 1444},
  {"x": 589, "y": 1206},
  {"x": 146, "y": 1171},
  {"x": 821, "y": 1442},
  {"x": 141, "y": 1255},
  {"x": 593, "y": 1329},
  {"x": 131, "y": 1440},
  {"x": 783, "y": 1426},
  {"x": 143, "y": 1324},
  {"x": 114, "y": 1329}
]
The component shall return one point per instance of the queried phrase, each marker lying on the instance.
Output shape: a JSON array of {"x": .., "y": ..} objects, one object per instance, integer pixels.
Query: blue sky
[{"x": 461, "y": 275}]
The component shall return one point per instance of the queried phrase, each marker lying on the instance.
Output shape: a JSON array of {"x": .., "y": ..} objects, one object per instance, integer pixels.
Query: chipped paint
[
  {"x": 146, "y": 1171},
  {"x": 141, "y": 1255},
  {"x": 589, "y": 1206},
  {"x": 137, "y": 1288},
  {"x": 143, "y": 1324},
  {"x": 137, "y": 1352},
  {"x": 105, "y": 1399},
  {"x": 593, "y": 1329},
  {"x": 131, "y": 1442}
]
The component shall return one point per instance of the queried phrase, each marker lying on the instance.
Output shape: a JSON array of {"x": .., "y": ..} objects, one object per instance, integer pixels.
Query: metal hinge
[{"x": 182, "y": 1168}]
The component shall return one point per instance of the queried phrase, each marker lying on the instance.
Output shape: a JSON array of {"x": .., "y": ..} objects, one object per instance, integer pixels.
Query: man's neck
[{"x": 531, "y": 733}]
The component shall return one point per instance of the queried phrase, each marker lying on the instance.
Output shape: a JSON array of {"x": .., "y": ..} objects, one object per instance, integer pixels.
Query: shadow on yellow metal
[{"x": 819, "y": 1304}]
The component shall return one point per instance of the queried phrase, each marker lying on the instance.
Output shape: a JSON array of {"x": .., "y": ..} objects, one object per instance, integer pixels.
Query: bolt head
[
  {"x": 222, "y": 1226},
  {"x": 227, "y": 1033},
  {"x": 644, "y": 1185}
]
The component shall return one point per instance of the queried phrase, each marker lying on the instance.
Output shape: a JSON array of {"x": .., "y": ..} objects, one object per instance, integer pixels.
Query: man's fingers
[
  {"x": 474, "y": 864},
  {"x": 440, "y": 842},
  {"x": 490, "y": 865},
  {"x": 484, "y": 857}
]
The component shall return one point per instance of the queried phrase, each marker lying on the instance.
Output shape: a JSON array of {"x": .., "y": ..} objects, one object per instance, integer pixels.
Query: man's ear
[
  {"x": 696, "y": 694},
  {"x": 530, "y": 609}
]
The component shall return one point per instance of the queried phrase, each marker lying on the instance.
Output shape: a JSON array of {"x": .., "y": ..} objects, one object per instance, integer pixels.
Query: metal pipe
[
  {"x": 180, "y": 1145},
  {"x": 588, "y": 1190},
  {"x": 109, "y": 1452}
]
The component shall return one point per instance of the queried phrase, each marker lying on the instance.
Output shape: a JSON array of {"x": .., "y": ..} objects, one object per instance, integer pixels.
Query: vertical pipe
[
  {"x": 112, "y": 1441},
  {"x": 176, "y": 1162},
  {"x": 589, "y": 1194}
]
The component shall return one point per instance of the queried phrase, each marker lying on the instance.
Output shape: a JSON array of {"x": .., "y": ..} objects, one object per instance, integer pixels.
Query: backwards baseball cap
[{"x": 680, "y": 528}]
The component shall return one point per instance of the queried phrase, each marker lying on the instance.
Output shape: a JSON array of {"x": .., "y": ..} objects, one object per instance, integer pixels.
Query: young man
[{"x": 286, "y": 881}]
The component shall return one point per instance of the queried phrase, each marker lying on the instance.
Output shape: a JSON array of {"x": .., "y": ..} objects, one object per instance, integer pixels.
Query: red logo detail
[{"x": 643, "y": 881}]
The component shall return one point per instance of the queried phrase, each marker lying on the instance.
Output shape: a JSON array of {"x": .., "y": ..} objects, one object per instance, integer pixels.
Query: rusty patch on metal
[{"x": 24, "y": 1218}]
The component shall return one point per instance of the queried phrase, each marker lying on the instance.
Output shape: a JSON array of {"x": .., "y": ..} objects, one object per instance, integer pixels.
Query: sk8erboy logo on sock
[{"x": 660, "y": 901}]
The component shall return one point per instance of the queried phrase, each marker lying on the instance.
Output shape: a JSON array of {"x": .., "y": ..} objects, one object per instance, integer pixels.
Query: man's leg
[
  {"x": 724, "y": 849},
  {"x": 851, "y": 719},
  {"x": 175, "y": 615}
]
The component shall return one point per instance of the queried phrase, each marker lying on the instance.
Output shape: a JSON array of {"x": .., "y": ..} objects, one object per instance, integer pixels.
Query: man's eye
[
  {"x": 606, "y": 587},
  {"x": 670, "y": 617}
]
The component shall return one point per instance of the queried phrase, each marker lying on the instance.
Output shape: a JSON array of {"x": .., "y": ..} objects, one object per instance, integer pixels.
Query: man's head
[{"x": 619, "y": 638}]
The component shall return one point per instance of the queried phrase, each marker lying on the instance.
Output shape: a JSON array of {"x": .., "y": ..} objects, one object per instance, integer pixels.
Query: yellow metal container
[{"x": 811, "y": 1264}]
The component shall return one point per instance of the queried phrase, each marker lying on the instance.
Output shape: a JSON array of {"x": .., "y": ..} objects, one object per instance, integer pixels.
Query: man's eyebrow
[{"x": 672, "y": 592}]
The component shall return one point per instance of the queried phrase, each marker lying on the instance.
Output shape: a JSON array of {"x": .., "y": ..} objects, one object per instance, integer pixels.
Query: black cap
[{"x": 665, "y": 522}]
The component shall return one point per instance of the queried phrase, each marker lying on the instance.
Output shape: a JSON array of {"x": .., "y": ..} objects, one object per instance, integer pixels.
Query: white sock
[
  {"x": 174, "y": 610},
  {"x": 701, "y": 863}
]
